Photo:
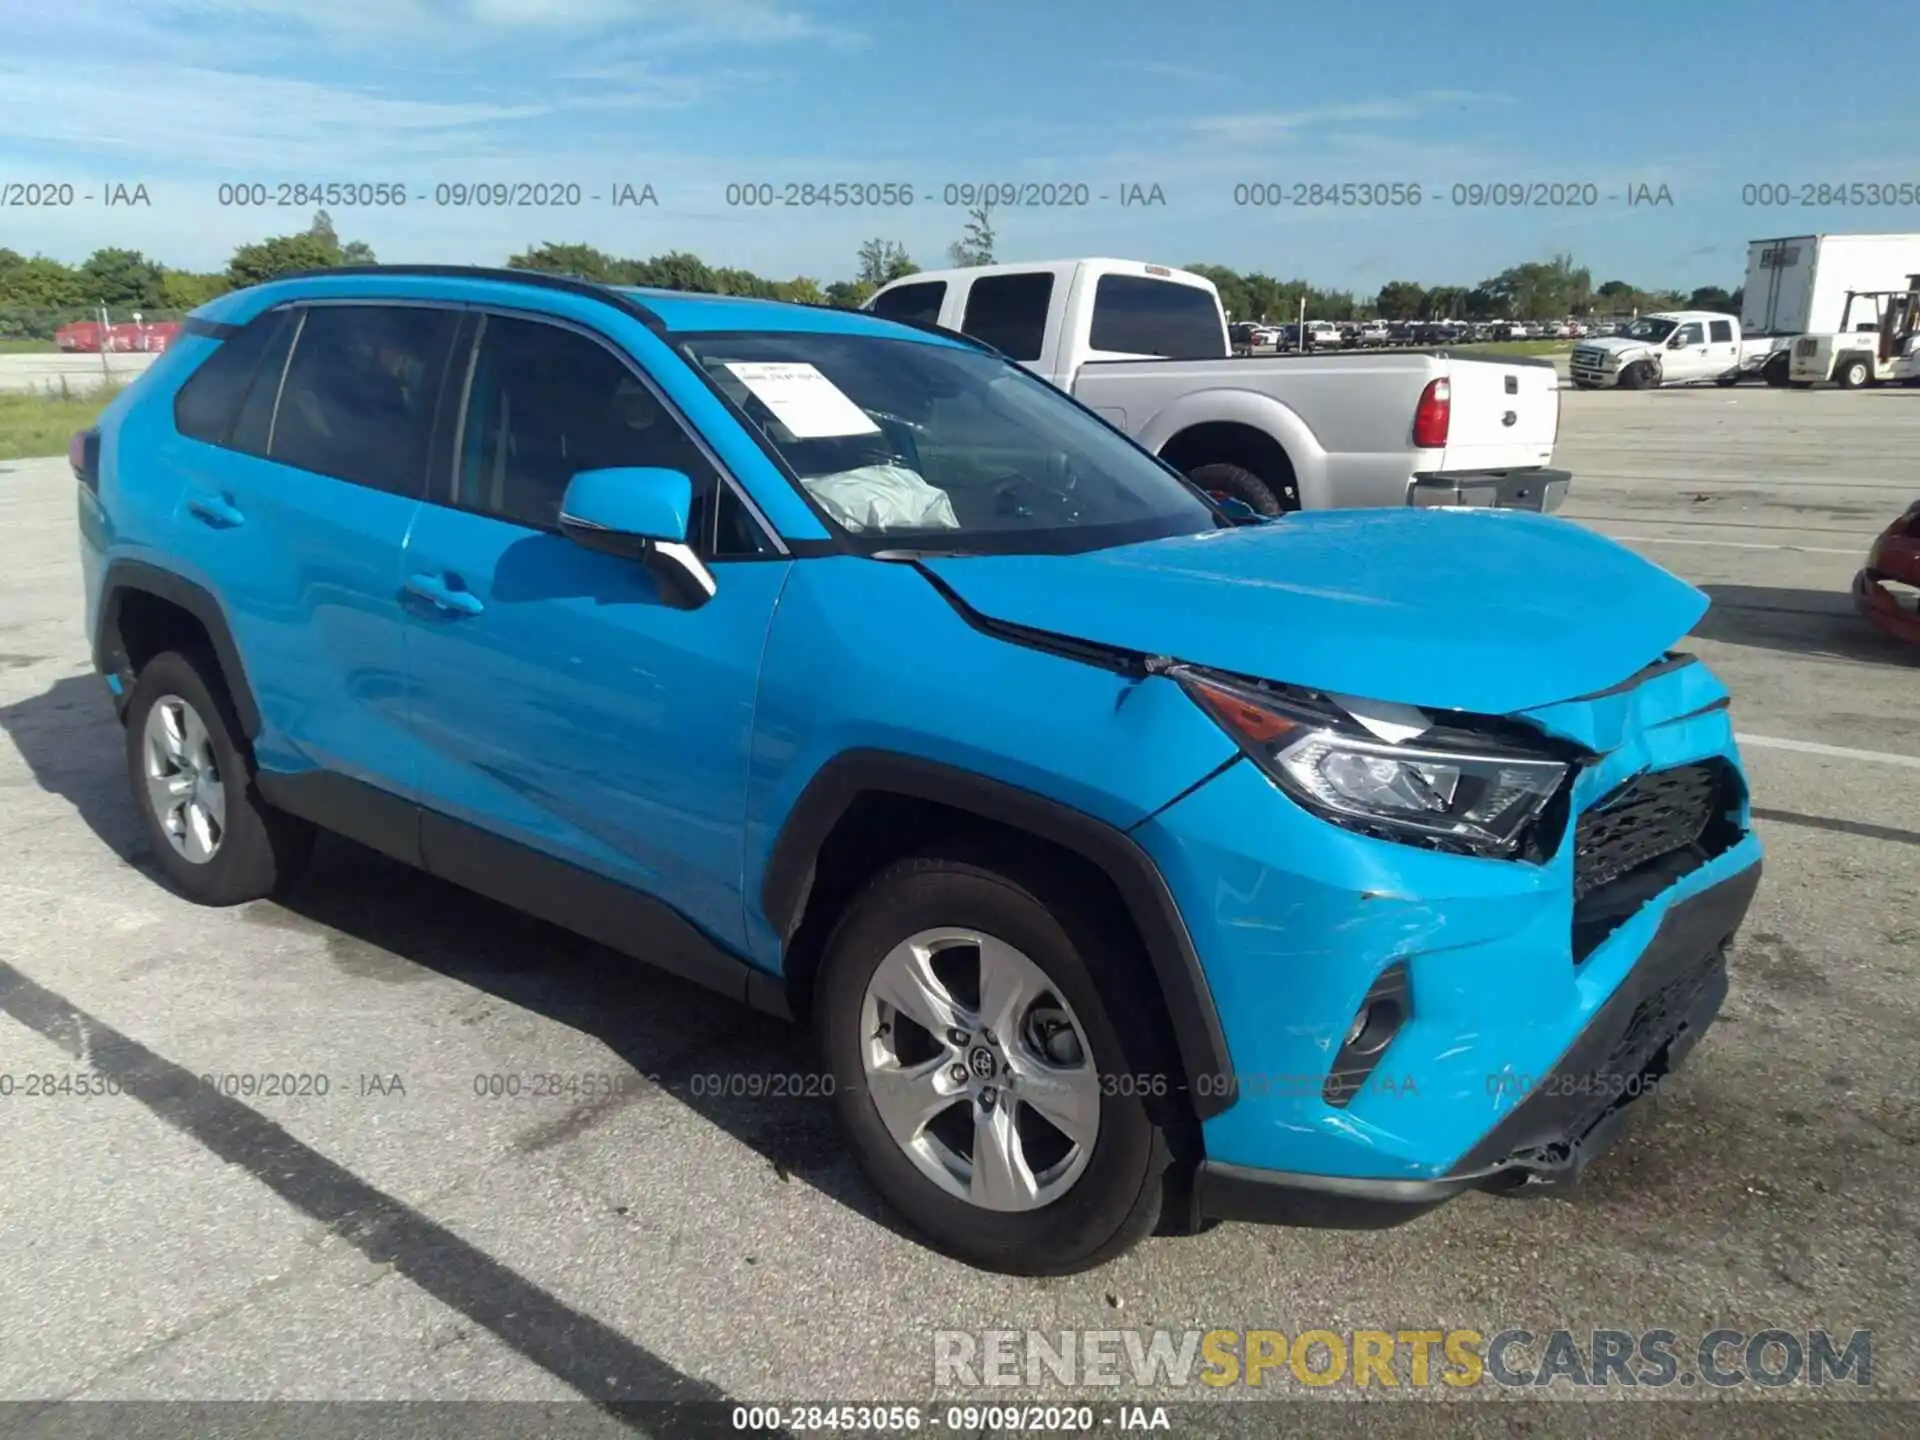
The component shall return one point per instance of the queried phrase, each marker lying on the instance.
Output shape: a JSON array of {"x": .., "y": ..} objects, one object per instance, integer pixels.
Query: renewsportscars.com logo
[{"x": 1393, "y": 1359}]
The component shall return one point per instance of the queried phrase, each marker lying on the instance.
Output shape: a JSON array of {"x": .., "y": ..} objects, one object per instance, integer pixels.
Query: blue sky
[{"x": 689, "y": 95}]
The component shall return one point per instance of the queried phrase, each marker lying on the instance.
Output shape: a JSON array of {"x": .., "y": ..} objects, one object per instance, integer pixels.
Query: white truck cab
[{"x": 1670, "y": 347}]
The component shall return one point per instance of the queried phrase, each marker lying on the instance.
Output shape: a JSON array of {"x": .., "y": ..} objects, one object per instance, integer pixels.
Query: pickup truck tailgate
[{"x": 1505, "y": 416}]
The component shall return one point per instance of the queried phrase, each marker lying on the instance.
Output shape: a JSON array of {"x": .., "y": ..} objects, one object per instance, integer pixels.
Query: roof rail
[{"x": 543, "y": 279}]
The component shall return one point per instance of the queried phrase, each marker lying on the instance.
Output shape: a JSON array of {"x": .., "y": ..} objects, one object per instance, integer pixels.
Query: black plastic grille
[{"x": 1643, "y": 837}]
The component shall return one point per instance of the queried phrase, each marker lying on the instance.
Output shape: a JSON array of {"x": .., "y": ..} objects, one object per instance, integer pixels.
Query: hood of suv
[{"x": 1492, "y": 611}]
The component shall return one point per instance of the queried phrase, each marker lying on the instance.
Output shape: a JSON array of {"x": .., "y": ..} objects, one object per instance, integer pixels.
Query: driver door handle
[
  {"x": 435, "y": 589},
  {"x": 219, "y": 511}
]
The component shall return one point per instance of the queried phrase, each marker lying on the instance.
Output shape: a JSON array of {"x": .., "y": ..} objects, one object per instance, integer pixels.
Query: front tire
[
  {"x": 213, "y": 837},
  {"x": 978, "y": 1071},
  {"x": 1638, "y": 376},
  {"x": 1774, "y": 372},
  {"x": 1853, "y": 375}
]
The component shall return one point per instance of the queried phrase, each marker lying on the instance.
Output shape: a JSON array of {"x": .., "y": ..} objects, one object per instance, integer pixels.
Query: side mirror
[
  {"x": 642, "y": 514},
  {"x": 1675, "y": 343}
]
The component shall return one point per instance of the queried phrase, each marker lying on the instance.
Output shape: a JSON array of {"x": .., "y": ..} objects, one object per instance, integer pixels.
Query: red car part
[{"x": 1895, "y": 557}]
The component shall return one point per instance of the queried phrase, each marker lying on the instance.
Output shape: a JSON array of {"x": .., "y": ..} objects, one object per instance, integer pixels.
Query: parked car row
[{"x": 1254, "y": 335}]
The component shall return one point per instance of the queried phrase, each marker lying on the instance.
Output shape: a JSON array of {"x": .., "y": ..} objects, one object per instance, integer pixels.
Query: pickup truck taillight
[
  {"x": 83, "y": 453},
  {"x": 1433, "y": 415}
]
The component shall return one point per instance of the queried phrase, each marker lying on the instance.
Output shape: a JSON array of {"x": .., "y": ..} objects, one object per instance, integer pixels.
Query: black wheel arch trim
[
  {"x": 1195, "y": 1020},
  {"x": 124, "y": 577}
]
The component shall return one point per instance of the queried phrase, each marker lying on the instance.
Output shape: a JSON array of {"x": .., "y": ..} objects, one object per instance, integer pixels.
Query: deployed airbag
[{"x": 883, "y": 497}]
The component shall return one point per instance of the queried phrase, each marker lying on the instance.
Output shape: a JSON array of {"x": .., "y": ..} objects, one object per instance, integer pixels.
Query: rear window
[
  {"x": 1136, "y": 316},
  {"x": 1009, "y": 312},
  {"x": 919, "y": 303},
  {"x": 209, "y": 403},
  {"x": 359, "y": 395}
]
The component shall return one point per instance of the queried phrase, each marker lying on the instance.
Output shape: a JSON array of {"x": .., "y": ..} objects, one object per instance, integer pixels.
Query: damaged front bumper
[
  {"x": 1530, "y": 1003},
  {"x": 1570, "y": 1115}
]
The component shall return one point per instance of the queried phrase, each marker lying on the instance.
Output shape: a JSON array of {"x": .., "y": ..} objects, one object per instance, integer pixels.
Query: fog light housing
[{"x": 1387, "y": 1006}]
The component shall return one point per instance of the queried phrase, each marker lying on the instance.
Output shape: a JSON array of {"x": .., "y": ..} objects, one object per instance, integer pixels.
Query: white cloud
[
  {"x": 463, "y": 24},
  {"x": 1280, "y": 124}
]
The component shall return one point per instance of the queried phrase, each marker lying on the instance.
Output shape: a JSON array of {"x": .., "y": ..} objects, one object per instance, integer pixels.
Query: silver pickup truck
[{"x": 1146, "y": 347}]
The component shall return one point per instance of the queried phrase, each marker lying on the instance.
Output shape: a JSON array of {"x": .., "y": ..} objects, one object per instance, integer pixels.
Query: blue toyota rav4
[{"x": 1134, "y": 861}]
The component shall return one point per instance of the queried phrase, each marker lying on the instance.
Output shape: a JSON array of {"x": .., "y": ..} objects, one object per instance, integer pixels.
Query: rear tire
[
  {"x": 1727, "y": 382},
  {"x": 1225, "y": 481},
  {"x": 1774, "y": 372},
  {"x": 1026, "y": 921},
  {"x": 213, "y": 837}
]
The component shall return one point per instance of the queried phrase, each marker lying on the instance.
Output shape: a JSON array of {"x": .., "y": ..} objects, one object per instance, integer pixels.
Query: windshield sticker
[{"x": 802, "y": 399}]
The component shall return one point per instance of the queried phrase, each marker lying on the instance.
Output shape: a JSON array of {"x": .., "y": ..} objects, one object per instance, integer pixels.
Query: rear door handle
[
  {"x": 218, "y": 511},
  {"x": 436, "y": 589}
]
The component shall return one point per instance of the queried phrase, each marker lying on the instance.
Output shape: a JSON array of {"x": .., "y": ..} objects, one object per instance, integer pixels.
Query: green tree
[
  {"x": 802, "y": 290},
  {"x": 322, "y": 230},
  {"x": 280, "y": 255},
  {"x": 42, "y": 284},
  {"x": 975, "y": 245},
  {"x": 1400, "y": 300},
  {"x": 184, "y": 290},
  {"x": 1712, "y": 297},
  {"x": 884, "y": 261},
  {"x": 581, "y": 260},
  {"x": 120, "y": 279},
  {"x": 675, "y": 270},
  {"x": 849, "y": 294}
]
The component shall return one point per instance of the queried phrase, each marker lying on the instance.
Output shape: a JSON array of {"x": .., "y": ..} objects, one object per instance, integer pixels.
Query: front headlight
[{"x": 1416, "y": 783}]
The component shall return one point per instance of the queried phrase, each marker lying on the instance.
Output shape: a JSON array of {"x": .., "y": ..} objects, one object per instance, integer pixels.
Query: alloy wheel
[
  {"x": 979, "y": 1069},
  {"x": 183, "y": 779}
]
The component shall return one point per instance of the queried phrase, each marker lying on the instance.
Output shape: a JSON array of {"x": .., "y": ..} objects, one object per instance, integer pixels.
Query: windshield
[
  {"x": 1647, "y": 328},
  {"x": 903, "y": 444}
]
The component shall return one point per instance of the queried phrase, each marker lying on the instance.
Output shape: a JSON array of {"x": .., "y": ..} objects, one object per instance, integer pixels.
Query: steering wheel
[{"x": 1003, "y": 488}]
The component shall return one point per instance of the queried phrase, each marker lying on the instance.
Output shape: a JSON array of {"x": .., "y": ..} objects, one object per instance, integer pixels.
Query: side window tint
[
  {"x": 737, "y": 535},
  {"x": 547, "y": 402},
  {"x": 208, "y": 404},
  {"x": 1009, "y": 312},
  {"x": 920, "y": 303},
  {"x": 1691, "y": 334},
  {"x": 1722, "y": 331},
  {"x": 360, "y": 391},
  {"x": 254, "y": 427}
]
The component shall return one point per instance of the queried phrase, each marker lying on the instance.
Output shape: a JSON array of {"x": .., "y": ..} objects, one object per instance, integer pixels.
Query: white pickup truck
[
  {"x": 1145, "y": 346},
  {"x": 1672, "y": 347}
]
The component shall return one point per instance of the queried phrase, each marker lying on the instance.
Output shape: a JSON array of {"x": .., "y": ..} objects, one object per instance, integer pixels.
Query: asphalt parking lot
[{"x": 404, "y": 1237}]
